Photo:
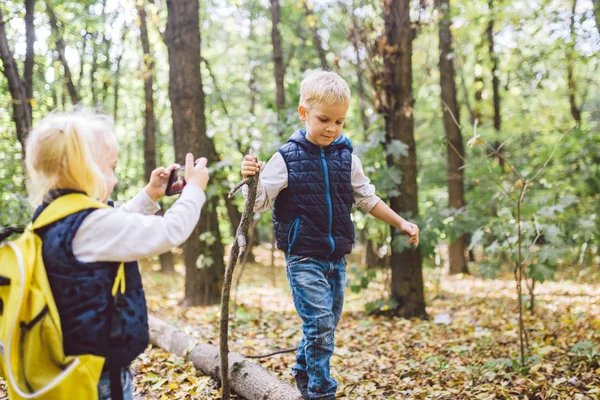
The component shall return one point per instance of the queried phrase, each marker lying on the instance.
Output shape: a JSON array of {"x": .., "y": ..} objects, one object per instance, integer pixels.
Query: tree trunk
[
  {"x": 82, "y": 55},
  {"x": 117, "y": 87},
  {"x": 455, "y": 151},
  {"x": 597, "y": 13},
  {"x": 571, "y": 81},
  {"x": 148, "y": 74},
  {"x": 21, "y": 113},
  {"x": 407, "y": 272},
  {"x": 312, "y": 23},
  {"x": 95, "y": 51},
  {"x": 248, "y": 380},
  {"x": 495, "y": 79},
  {"x": 362, "y": 96},
  {"x": 495, "y": 82},
  {"x": 30, "y": 54},
  {"x": 277, "y": 56},
  {"x": 166, "y": 259},
  {"x": 204, "y": 275},
  {"x": 60, "y": 48}
]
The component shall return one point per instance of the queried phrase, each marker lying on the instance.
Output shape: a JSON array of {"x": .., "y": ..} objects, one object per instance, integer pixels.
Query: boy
[{"x": 311, "y": 183}]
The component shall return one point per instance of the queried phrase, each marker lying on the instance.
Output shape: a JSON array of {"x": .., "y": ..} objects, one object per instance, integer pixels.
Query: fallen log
[{"x": 249, "y": 380}]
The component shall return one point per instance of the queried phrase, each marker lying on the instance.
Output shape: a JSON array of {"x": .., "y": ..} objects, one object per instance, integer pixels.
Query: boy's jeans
[{"x": 318, "y": 293}]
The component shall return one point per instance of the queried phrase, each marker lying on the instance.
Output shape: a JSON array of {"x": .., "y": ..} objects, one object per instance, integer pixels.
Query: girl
[{"x": 77, "y": 153}]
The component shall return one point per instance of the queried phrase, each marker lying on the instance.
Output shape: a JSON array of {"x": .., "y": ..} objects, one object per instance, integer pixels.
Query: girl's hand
[
  {"x": 196, "y": 174},
  {"x": 411, "y": 230},
  {"x": 250, "y": 166},
  {"x": 155, "y": 189}
]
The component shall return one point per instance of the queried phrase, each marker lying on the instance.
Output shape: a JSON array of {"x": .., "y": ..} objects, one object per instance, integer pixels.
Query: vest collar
[{"x": 299, "y": 137}]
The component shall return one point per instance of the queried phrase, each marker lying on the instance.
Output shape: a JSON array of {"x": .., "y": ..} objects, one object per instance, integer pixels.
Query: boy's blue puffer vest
[
  {"x": 311, "y": 217},
  {"x": 82, "y": 292}
]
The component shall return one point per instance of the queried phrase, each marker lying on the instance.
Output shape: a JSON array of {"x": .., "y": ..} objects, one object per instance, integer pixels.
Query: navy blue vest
[
  {"x": 82, "y": 292},
  {"x": 311, "y": 217}
]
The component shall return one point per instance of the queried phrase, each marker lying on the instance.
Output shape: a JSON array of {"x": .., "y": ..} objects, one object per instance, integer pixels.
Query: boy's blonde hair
[
  {"x": 324, "y": 87},
  {"x": 63, "y": 152}
]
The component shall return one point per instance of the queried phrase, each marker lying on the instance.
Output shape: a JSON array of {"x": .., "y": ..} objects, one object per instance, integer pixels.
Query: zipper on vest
[{"x": 329, "y": 206}]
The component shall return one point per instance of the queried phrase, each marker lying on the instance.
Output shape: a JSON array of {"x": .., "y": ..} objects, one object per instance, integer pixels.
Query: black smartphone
[{"x": 176, "y": 181}]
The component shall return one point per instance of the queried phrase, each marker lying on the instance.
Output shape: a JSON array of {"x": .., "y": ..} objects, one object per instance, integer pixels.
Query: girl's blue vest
[
  {"x": 82, "y": 292},
  {"x": 311, "y": 217}
]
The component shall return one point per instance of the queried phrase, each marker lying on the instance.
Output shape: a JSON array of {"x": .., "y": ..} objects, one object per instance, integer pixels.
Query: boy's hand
[
  {"x": 411, "y": 230},
  {"x": 250, "y": 166},
  {"x": 198, "y": 174},
  {"x": 155, "y": 189}
]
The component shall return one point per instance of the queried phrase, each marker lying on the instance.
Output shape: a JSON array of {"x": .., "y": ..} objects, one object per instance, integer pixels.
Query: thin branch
[
  {"x": 274, "y": 353},
  {"x": 237, "y": 187}
]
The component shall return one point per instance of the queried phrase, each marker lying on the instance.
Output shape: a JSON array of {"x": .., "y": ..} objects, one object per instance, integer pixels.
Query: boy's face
[{"x": 324, "y": 122}]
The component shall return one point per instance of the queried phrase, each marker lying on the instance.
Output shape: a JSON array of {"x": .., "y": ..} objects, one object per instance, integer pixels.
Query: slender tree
[
  {"x": 203, "y": 256},
  {"x": 21, "y": 111},
  {"x": 495, "y": 72},
  {"x": 150, "y": 153},
  {"x": 571, "y": 81},
  {"x": 277, "y": 56},
  {"x": 29, "y": 55},
  {"x": 455, "y": 151},
  {"x": 397, "y": 102},
  {"x": 60, "y": 48},
  {"x": 312, "y": 23}
]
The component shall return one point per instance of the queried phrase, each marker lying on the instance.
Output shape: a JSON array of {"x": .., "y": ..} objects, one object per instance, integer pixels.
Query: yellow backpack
[{"x": 32, "y": 360}]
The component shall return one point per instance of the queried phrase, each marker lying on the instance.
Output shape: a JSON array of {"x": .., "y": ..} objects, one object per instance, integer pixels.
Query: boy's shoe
[{"x": 302, "y": 383}]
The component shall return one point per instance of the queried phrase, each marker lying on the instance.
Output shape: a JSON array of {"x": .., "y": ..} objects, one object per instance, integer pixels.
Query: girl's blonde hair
[
  {"x": 63, "y": 152},
  {"x": 324, "y": 87}
]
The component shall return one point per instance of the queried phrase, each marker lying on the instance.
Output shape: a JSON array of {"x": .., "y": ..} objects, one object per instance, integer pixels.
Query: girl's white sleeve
[
  {"x": 116, "y": 234},
  {"x": 273, "y": 179},
  {"x": 141, "y": 203}
]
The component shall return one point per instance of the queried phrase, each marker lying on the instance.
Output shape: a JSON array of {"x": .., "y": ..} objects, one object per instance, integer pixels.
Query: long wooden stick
[{"x": 238, "y": 247}]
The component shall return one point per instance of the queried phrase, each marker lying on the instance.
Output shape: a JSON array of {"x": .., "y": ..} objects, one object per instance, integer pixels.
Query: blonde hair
[
  {"x": 63, "y": 152},
  {"x": 324, "y": 87}
]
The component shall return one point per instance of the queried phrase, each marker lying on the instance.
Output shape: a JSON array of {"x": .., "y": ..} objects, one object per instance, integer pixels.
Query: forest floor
[{"x": 468, "y": 349}]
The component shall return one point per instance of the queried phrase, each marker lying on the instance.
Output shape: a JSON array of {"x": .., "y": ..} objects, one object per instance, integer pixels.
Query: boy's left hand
[
  {"x": 411, "y": 230},
  {"x": 155, "y": 189}
]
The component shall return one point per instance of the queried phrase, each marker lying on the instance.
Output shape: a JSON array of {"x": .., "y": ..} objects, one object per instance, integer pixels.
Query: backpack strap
[
  {"x": 64, "y": 206},
  {"x": 118, "y": 290}
]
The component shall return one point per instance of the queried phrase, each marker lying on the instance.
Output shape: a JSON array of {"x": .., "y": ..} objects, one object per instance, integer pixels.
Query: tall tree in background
[
  {"x": 495, "y": 80},
  {"x": 495, "y": 72},
  {"x": 397, "y": 102},
  {"x": 277, "y": 56},
  {"x": 18, "y": 92},
  {"x": 204, "y": 274},
  {"x": 312, "y": 23},
  {"x": 60, "y": 48},
  {"x": 571, "y": 81},
  {"x": 455, "y": 151},
  {"x": 29, "y": 55},
  {"x": 166, "y": 259}
]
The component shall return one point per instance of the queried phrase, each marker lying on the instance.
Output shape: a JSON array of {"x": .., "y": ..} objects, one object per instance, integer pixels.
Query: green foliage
[
  {"x": 360, "y": 278},
  {"x": 563, "y": 205}
]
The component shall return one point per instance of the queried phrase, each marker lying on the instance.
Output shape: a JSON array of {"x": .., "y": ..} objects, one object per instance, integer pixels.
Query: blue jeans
[
  {"x": 126, "y": 384},
  {"x": 318, "y": 293}
]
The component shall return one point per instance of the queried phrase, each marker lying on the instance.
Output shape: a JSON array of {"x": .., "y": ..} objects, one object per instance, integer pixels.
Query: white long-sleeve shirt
[
  {"x": 274, "y": 178},
  {"x": 131, "y": 232}
]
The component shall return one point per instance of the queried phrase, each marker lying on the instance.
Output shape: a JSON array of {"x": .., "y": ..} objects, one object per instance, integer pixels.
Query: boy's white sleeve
[
  {"x": 273, "y": 179},
  {"x": 364, "y": 192},
  {"x": 141, "y": 203},
  {"x": 114, "y": 234}
]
